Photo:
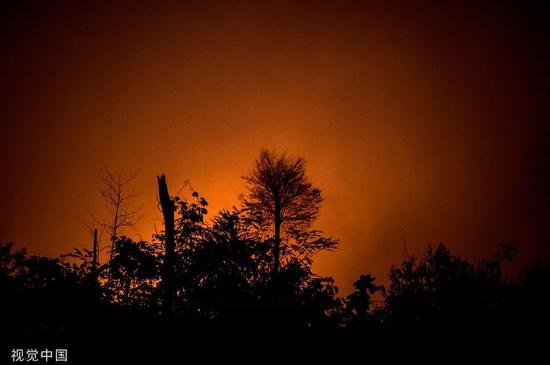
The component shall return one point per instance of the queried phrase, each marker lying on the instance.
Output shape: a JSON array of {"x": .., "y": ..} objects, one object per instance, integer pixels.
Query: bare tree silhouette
[{"x": 117, "y": 195}]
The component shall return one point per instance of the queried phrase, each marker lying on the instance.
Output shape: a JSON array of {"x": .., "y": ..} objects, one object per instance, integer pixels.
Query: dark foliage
[
  {"x": 226, "y": 287},
  {"x": 227, "y": 296}
]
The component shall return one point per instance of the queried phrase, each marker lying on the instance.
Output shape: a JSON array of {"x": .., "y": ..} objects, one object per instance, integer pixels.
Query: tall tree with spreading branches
[{"x": 282, "y": 204}]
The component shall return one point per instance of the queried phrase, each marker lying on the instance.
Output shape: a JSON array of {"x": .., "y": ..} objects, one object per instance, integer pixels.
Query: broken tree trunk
[{"x": 167, "y": 205}]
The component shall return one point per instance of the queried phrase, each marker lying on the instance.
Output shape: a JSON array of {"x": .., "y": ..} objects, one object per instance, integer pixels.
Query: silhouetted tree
[
  {"x": 359, "y": 314},
  {"x": 444, "y": 294},
  {"x": 189, "y": 233},
  {"x": 115, "y": 192},
  {"x": 281, "y": 202},
  {"x": 223, "y": 266},
  {"x": 134, "y": 273}
]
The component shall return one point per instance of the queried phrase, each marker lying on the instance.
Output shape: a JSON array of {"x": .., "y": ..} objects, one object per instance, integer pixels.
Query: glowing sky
[{"x": 421, "y": 122}]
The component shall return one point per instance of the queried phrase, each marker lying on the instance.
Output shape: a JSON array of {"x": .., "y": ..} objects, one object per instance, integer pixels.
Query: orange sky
[{"x": 422, "y": 122}]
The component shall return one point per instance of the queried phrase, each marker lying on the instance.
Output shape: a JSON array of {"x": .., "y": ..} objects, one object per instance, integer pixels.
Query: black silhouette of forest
[{"x": 240, "y": 286}]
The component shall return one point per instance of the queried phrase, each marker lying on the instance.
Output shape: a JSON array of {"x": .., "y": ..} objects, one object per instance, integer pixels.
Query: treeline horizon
[{"x": 249, "y": 270}]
